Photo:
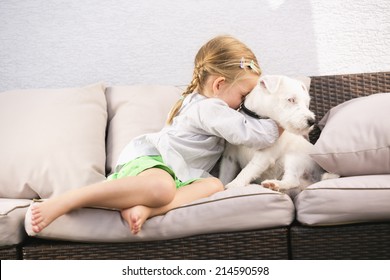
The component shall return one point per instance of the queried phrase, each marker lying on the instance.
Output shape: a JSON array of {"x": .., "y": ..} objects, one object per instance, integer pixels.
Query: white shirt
[{"x": 195, "y": 140}]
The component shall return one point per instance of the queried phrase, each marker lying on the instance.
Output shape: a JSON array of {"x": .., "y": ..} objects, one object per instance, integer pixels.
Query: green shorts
[{"x": 138, "y": 165}]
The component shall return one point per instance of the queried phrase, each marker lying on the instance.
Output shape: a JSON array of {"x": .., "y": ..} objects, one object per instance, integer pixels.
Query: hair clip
[
  {"x": 242, "y": 63},
  {"x": 252, "y": 65}
]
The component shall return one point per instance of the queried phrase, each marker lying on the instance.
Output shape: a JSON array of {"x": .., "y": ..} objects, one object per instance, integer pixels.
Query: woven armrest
[{"x": 329, "y": 91}]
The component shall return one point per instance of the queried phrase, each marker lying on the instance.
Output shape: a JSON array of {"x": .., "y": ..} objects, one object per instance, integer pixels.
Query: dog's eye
[{"x": 291, "y": 100}]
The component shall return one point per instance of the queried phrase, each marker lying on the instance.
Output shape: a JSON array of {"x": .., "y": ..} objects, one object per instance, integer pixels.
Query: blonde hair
[{"x": 222, "y": 56}]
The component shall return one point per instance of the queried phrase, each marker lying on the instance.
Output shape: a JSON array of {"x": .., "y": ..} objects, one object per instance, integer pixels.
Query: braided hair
[{"x": 222, "y": 56}]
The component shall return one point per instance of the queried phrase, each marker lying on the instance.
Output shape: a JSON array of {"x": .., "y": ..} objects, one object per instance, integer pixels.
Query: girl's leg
[
  {"x": 137, "y": 215},
  {"x": 153, "y": 187}
]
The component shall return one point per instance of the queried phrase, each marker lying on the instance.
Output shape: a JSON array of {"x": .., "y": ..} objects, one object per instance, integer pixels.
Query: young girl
[{"x": 160, "y": 171}]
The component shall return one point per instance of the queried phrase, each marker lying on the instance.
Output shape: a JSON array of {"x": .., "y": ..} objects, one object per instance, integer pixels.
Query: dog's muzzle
[{"x": 311, "y": 122}]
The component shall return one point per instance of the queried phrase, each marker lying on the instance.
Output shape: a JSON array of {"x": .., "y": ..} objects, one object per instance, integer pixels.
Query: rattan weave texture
[
  {"x": 329, "y": 91},
  {"x": 262, "y": 244},
  {"x": 10, "y": 253},
  {"x": 363, "y": 241}
]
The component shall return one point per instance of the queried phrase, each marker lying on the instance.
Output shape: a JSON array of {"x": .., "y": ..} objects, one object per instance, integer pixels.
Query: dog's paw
[
  {"x": 328, "y": 176},
  {"x": 233, "y": 184},
  {"x": 271, "y": 184},
  {"x": 230, "y": 186}
]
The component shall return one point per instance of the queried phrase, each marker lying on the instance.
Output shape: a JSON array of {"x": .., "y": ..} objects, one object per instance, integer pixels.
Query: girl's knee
[
  {"x": 163, "y": 192},
  {"x": 215, "y": 185},
  {"x": 161, "y": 187}
]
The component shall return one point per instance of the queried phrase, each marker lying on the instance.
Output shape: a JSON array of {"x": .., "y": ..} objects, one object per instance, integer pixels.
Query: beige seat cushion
[
  {"x": 242, "y": 208},
  {"x": 345, "y": 200},
  {"x": 12, "y": 213}
]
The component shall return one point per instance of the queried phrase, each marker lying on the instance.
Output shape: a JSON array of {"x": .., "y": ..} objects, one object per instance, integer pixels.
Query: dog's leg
[
  {"x": 228, "y": 169},
  {"x": 253, "y": 170},
  {"x": 294, "y": 167},
  {"x": 328, "y": 176}
]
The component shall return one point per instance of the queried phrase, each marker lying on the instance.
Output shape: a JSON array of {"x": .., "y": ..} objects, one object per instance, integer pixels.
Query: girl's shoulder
[
  {"x": 207, "y": 100},
  {"x": 210, "y": 108},
  {"x": 196, "y": 101}
]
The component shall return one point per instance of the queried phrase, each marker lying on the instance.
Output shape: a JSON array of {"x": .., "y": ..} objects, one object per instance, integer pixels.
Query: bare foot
[
  {"x": 136, "y": 217},
  {"x": 44, "y": 213}
]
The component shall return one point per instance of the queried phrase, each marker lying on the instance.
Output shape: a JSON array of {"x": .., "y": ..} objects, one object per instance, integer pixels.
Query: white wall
[{"x": 70, "y": 43}]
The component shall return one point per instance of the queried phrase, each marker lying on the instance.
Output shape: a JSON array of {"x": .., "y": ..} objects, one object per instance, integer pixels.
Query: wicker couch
[{"x": 295, "y": 241}]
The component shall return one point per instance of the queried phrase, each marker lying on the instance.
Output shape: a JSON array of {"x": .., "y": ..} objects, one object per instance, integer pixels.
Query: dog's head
[{"x": 284, "y": 100}]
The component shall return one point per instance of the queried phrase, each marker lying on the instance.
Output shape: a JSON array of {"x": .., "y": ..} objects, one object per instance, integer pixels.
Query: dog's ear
[
  {"x": 270, "y": 82},
  {"x": 304, "y": 87}
]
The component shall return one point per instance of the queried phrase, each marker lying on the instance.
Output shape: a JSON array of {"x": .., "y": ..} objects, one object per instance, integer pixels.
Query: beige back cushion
[
  {"x": 51, "y": 140},
  {"x": 356, "y": 137},
  {"x": 135, "y": 110}
]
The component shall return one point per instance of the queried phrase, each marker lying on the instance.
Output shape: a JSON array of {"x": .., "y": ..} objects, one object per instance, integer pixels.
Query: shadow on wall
[
  {"x": 287, "y": 41},
  {"x": 74, "y": 43}
]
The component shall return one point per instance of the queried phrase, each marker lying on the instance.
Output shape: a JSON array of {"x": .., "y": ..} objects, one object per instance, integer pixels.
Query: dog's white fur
[{"x": 286, "y": 164}]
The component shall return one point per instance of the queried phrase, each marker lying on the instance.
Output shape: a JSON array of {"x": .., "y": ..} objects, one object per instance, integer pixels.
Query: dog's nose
[{"x": 311, "y": 122}]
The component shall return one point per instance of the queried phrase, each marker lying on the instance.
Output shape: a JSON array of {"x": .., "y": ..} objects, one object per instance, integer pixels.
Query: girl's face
[{"x": 234, "y": 93}]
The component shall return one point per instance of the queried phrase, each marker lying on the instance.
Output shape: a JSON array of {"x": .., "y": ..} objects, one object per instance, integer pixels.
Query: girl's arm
[{"x": 237, "y": 128}]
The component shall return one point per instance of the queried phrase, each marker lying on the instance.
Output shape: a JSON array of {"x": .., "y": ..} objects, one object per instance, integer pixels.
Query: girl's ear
[{"x": 217, "y": 84}]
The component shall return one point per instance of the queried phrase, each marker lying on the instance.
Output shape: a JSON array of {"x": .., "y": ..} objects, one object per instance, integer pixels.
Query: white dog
[{"x": 286, "y": 164}]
